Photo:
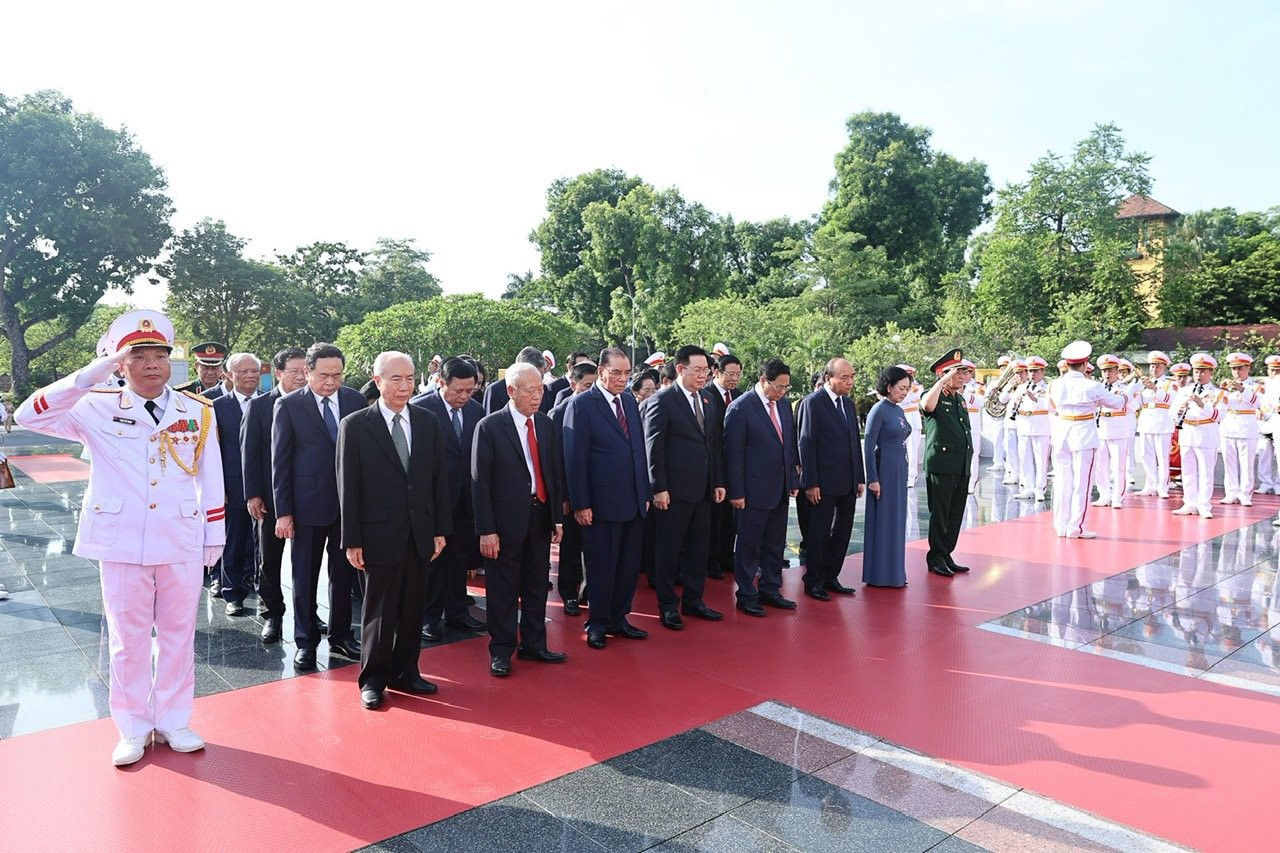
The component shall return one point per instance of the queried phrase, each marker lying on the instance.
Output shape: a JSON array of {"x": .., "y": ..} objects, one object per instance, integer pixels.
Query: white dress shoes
[
  {"x": 129, "y": 750},
  {"x": 181, "y": 740},
  {"x": 1083, "y": 534}
]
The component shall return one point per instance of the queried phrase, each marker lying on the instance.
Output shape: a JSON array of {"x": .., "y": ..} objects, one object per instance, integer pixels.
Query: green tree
[
  {"x": 395, "y": 271},
  {"x": 325, "y": 278},
  {"x": 73, "y": 352},
  {"x": 214, "y": 291},
  {"x": 1222, "y": 268},
  {"x": 82, "y": 210},
  {"x": 762, "y": 257}
]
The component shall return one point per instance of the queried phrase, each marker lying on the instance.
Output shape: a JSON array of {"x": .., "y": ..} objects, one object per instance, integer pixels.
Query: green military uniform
[
  {"x": 210, "y": 353},
  {"x": 948, "y": 449}
]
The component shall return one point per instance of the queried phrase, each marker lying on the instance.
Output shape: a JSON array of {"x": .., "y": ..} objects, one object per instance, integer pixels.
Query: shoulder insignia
[
  {"x": 105, "y": 390},
  {"x": 198, "y": 397}
]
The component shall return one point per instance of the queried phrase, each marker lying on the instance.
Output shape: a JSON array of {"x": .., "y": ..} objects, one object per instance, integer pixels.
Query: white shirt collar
[
  {"x": 387, "y": 416},
  {"x": 608, "y": 397}
]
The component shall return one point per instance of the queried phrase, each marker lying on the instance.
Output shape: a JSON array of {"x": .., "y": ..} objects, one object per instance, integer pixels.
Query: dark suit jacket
[
  {"x": 419, "y": 399},
  {"x": 303, "y": 473},
  {"x": 606, "y": 470},
  {"x": 385, "y": 509},
  {"x": 213, "y": 393},
  {"x": 554, "y": 387},
  {"x": 718, "y": 401},
  {"x": 683, "y": 459},
  {"x": 255, "y": 448},
  {"x": 557, "y": 418},
  {"x": 496, "y": 396},
  {"x": 830, "y": 445},
  {"x": 500, "y": 481},
  {"x": 226, "y": 411},
  {"x": 457, "y": 454},
  {"x": 758, "y": 466},
  {"x": 563, "y": 394}
]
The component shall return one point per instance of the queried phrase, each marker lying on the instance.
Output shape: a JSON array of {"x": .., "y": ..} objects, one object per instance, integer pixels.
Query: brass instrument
[
  {"x": 1135, "y": 375},
  {"x": 993, "y": 406}
]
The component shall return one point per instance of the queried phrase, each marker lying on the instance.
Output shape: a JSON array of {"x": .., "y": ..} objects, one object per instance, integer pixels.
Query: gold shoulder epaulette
[{"x": 200, "y": 397}]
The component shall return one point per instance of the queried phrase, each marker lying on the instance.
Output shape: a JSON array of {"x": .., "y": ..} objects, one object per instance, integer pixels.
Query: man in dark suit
[
  {"x": 724, "y": 390},
  {"x": 682, "y": 437},
  {"x": 457, "y": 415},
  {"x": 831, "y": 477},
  {"x": 395, "y": 502},
  {"x": 229, "y": 411},
  {"x": 609, "y": 493},
  {"x": 495, "y": 395},
  {"x": 304, "y": 441},
  {"x": 290, "y": 367},
  {"x": 515, "y": 481},
  {"x": 761, "y": 476},
  {"x": 582, "y": 376}
]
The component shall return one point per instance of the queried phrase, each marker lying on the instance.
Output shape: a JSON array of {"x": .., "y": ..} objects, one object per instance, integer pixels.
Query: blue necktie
[
  {"x": 330, "y": 421},
  {"x": 457, "y": 424}
]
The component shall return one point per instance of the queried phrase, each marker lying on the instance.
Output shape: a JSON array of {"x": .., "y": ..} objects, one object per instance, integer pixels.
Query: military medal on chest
[{"x": 183, "y": 442}]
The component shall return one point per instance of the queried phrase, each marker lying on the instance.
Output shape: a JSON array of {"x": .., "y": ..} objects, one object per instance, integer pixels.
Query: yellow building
[{"x": 1153, "y": 220}]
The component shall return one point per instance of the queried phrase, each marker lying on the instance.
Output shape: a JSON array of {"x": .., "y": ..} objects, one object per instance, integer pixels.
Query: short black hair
[
  {"x": 286, "y": 355},
  {"x": 773, "y": 368},
  {"x": 888, "y": 377},
  {"x": 582, "y": 370},
  {"x": 532, "y": 355},
  {"x": 668, "y": 371},
  {"x": 368, "y": 389},
  {"x": 637, "y": 381},
  {"x": 688, "y": 351},
  {"x": 457, "y": 367},
  {"x": 320, "y": 350},
  {"x": 575, "y": 355},
  {"x": 609, "y": 353},
  {"x": 726, "y": 360}
]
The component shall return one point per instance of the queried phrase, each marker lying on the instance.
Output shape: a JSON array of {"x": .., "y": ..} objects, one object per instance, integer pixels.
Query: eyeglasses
[
  {"x": 696, "y": 371},
  {"x": 781, "y": 389}
]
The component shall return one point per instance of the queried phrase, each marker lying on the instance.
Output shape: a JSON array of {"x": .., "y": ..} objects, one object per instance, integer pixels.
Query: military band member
[
  {"x": 1242, "y": 397},
  {"x": 209, "y": 358},
  {"x": 1074, "y": 399},
  {"x": 1155, "y": 426},
  {"x": 1033, "y": 433},
  {"x": 152, "y": 516},
  {"x": 915, "y": 442},
  {"x": 1199, "y": 408},
  {"x": 975, "y": 397},
  {"x": 997, "y": 446},
  {"x": 1268, "y": 471},
  {"x": 1115, "y": 435},
  {"x": 1271, "y": 402},
  {"x": 1010, "y": 397}
]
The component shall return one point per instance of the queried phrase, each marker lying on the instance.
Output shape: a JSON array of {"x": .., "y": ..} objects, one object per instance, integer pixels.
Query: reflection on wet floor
[{"x": 1210, "y": 611}]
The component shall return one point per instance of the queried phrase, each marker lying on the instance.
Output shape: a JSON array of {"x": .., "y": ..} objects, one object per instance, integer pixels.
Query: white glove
[
  {"x": 212, "y": 553},
  {"x": 100, "y": 369}
]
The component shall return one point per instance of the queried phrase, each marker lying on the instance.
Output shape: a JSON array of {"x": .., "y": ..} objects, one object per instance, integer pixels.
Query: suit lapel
[
  {"x": 382, "y": 436},
  {"x": 608, "y": 409},
  {"x": 311, "y": 407},
  {"x": 418, "y": 456},
  {"x": 509, "y": 427}
]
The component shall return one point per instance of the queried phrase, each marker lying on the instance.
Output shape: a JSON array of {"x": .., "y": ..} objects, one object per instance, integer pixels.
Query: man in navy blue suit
[
  {"x": 582, "y": 378},
  {"x": 229, "y": 410},
  {"x": 290, "y": 365},
  {"x": 831, "y": 476},
  {"x": 724, "y": 390},
  {"x": 457, "y": 414},
  {"x": 761, "y": 476},
  {"x": 304, "y": 441},
  {"x": 609, "y": 492}
]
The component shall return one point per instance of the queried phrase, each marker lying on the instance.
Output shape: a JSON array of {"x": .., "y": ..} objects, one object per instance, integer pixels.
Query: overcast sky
[{"x": 446, "y": 122}]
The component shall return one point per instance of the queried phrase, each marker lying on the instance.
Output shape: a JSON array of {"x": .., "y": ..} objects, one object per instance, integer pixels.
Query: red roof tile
[{"x": 1141, "y": 206}]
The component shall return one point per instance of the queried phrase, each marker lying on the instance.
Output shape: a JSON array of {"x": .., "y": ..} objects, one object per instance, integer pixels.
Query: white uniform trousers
[
  {"x": 997, "y": 447},
  {"x": 915, "y": 455},
  {"x": 136, "y": 599},
  {"x": 975, "y": 429},
  {"x": 1266, "y": 466},
  {"x": 1072, "y": 483},
  {"x": 1111, "y": 470},
  {"x": 1154, "y": 448},
  {"x": 1033, "y": 467},
  {"x": 1198, "y": 468},
  {"x": 1237, "y": 473},
  {"x": 1012, "y": 458}
]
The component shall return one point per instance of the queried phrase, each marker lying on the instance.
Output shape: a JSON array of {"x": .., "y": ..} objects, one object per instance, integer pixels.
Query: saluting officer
[
  {"x": 948, "y": 445},
  {"x": 209, "y": 357},
  {"x": 152, "y": 516}
]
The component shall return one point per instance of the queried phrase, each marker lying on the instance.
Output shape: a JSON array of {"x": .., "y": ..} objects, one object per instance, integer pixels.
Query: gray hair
[
  {"x": 236, "y": 357},
  {"x": 519, "y": 370},
  {"x": 380, "y": 362}
]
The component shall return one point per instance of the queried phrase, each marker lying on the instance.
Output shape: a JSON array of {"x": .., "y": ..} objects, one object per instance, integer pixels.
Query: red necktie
[
  {"x": 539, "y": 486},
  {"x": 622, "y": 418},
  {"x": 728, "y": 398},
  {"x": 773, "y": 416}
]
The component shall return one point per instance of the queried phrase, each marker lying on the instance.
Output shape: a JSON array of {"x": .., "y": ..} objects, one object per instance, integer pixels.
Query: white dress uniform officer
[
  {"x": 1199, "y": 407},
  {"x": 1268, "y": 457},
  {"x": 1010, "y": 396},
  {"x": 1155, "y": 426},
  {"x": 975, "y": 397},
  {"x": 1033, "y": 432},
  {"x": 997, "y": 447},
  {"x": 1074, "y": 399},
  {"x": 1242, "y": 399},
  {"x": 1115, "y": 436},
  {"x": 915, "y": 441},
  {"x": 152, "y": 517}
]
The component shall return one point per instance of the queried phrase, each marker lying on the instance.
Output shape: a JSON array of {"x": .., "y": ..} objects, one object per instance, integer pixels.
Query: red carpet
[{"x": 51, "y": 469}]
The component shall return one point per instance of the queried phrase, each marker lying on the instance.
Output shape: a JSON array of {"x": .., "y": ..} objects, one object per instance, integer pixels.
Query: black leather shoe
[
  {"x": 432, "y": 633},
  {"x": 596, "y": 639},
  {"x": 631, "y": 632},
  {"x": 322, "y": 627},
  {"x": 941, "y": 570},
  {"x": 817, "y": 592},
  {"x": 348, "y": 648},
  {"x": 418, "y": 686},
  {"x": 671, "y": 619},
  {"x": 499, "y": 666},
  {"x": 234, "y": 608},
  {"x": 468, "y": 623},
  {"x": 778, "y": 602},
  {"x": 471, "y": 601},
  {"x": 751, "y": 609},
  {"x": 215, "y": 587},
  {"x": 541, "y": 655},
  {"x": 370, "y": 698},
  {"x": 839, "y": 588},
  {"x": 271, "y": 630},
  {"x": 956, "y": 568},
  {"x": 716, "y": 574},
  {"x": 702, "y": 611},
  {"x": 571, "y": 607},
  {"x": 304, "y": 659}
]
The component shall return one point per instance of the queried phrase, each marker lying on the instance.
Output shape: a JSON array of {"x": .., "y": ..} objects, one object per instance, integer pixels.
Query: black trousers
[
  {"x": 762, "y": 535},
  {"x": 649, "y": 547},
  {"x": 569, "y": 569},
  {"x": 237, "y": 556},
  {"x": 723, "y": 531},
  {"x": 827, "y": 539},
  {"x": 802, "y": 521},
  {"x": 516, "y": 583},
  {"x": 390, "y": 620},
  {"x": 446, "y": 596},
  {"x": 611, "y": 550},
  {"x": 270, "y": 556},
  {"x": 310, "y": 543},
  {"x": 947, "y": 494},
  {"x": 680, "y": 550}
]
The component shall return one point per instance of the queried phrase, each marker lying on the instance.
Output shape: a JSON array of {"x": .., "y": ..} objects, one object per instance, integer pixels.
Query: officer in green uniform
[
  {"x": 209, "y": 357},
  {"x": 948, "y": 449}
]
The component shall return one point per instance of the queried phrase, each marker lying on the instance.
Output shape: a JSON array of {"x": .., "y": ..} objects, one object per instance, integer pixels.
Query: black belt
[{"x": 534, "y": 501}]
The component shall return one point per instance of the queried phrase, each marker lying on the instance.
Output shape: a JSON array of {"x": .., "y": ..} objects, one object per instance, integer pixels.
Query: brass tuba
[{"x": 993, "y": 406}]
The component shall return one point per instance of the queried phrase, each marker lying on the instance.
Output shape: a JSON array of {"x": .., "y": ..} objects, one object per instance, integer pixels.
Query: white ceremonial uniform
[
  {"x": 1074, "y": 399},
  {"x": 1268, "y": 457},
  {"x": 1240, "y": 442},
  {"x": 1198, "y": 442},
  {"x": 1115, "y": 444},
  {"x": 1155, "y": 436},
  {"x": 1009, "y": 436},
  {"x": 1033, "y": 440},
  {"x": 915, "y": 441},
  {"x": 154, "y": 502},
  {"x": 975, "y": 396}
]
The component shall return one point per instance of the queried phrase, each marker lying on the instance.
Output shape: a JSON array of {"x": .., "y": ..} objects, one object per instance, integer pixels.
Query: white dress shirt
[{"x": 522, "y": 432}]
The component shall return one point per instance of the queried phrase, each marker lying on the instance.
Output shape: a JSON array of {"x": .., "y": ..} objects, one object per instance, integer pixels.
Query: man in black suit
[
  {"x": 569, "y": 568},
  {"x": 724, "y": 390},
  {"x": 831, "y": 477},
  {"x": 456, "y": 414},
  {"x": 229, "y": 411},
  {"x": 682, "y": 437},
  {"x": 515, "y": 482},
  {"x": 394, "y": 494},
  {"x": 304, "y": 441},
  {"x": 609, "y": 493},
  {"x": 495, "y": 395},
  {"x": 560, "y": 389},
  {"x": 255, "y": 453}
]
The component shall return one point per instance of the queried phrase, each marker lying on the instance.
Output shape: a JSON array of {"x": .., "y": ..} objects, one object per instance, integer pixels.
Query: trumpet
[
  {"x": 1134, "y": 376},
  {"x": 1231, "y": 385}
]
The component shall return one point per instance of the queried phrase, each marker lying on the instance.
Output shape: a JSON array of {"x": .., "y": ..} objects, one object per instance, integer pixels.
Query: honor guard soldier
[
  {"x": 1115, "y": 435},
  {"x": 1074, "y": 400},
  {"x": 1199, "y": 409},
  {"x": 915, "y": 442},
  {"x": 975, "y": 397},
  {"x": 1155, "y": 426},
  {"x": 209, "y": 369},
  {"x": 1033, "y": 432},
  {"x": 1268, "y": 467},
  {"x": 948, "y": 446},
  {"x": 1242, "y": 397},
  {"x": 1010, "y": 397},
  {"x": 152, "y": 516}
]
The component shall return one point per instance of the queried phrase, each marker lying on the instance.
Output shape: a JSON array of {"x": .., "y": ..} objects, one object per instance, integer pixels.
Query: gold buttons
[
  {"x": 152, "y": 460},
  {"x": 152, "y": 506},
  {"x": 153, "y": 482},
  {"x": 97, "y": 507},
  {"x": 153, "y": 438}
]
